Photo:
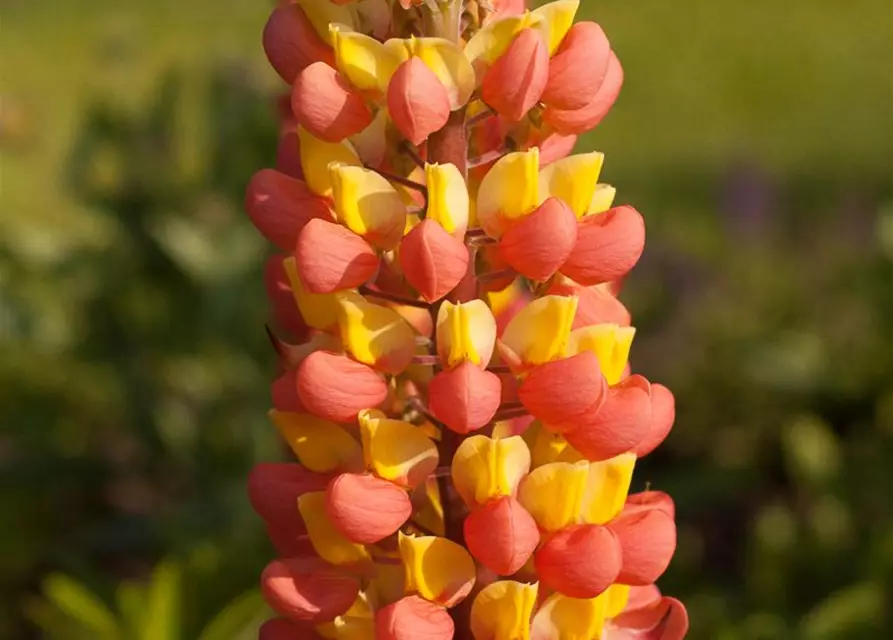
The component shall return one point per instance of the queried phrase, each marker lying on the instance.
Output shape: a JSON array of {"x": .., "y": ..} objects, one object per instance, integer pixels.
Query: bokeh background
[{"x": 756, "y": 138}]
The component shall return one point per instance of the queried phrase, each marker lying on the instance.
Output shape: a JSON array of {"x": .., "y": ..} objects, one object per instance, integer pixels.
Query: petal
[
  {"x": 580, "y": 561},
  {"x": 485, "y": 468},
  {"x": 665, "y": 620},
  {"x": 397, "y": 451},
  {"x": 375, "y": 335},
  {"x": 538, "y": 244},
  {"x": 366, "y": 509},
  {"x": 368, "y": 205},
  {"x": 573, "y": 180},
  {"x": 563, "y": 393},
  {"x": 322, "y": 14},
  {"x": 464, "y": 398},
  {"x": 651, "y": 500},
  {"x": 288, "y": 155},
  {"x": 331, "y": 258},
  {"x": 307, "y": 589},
  {"x": 285, "y": 312},
  {"x": 326, "y": 105},
  {"x": 437, "y": 569},
  {"x": 611, "y": 345},
  {"x": 447, "y": 198},
  {"x": 320, "y": 445},
  {"x": 557, "y": 19},
  {"x": 617, "y": 596},
  {"x": 577, "y": 121},
  {"x": 284, "y": 629},
  {"x": 413, "y": 618},
  {"x": 290, "y": 541},
  {"x": 327, "y": 540},
  {"x": 291, "y": 43},
  {"x": 554, "y": 493},
  {"x": 465, "y": 331},
  {"x": 336, "y": 388},
  {"x": 280, "y": 207},
  {"x": 316, "y": 155},
  {"x": 595, "y": 304},
  {"x": 642, "y": 598},
  {"x": 609, "y": 482},
  {"x": 320, "y": 311},
  {"x": 501, "y": 535},
  {"x": 578, "y": 68},
  {"x": 433, "y": 261},
  {"x": 274, "y": 487},
  {"x": 371, "y": 143},
  {"x": 448, "y": 63},
  {"x": 619, "y": 425},
  {"x": 663, "y": 414},
  {"x": 515, "y": 82},
  {"x": 509, "y": 190},
  {"x": 357, "y": 624},
  {"x": 365, "y": 61},
  {"x": 648, "y": 539},
  {"x": 608, "y": 246},
  {"x": 602, "y": 199},
  {"x": 539, "y": 333},
  {"x": 502, "y": 611},
  {"x": 561, "y": 617},
  {"x": 494, "y": 38},
  {"x": 284, "y": 393},
  {"x": 547, "y": 447},
  {"x": 418, "y": 103}
]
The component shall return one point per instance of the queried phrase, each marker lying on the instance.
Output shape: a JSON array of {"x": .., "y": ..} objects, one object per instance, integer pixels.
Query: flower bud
[
  {"x": 580, "y": 561},
  {"x": 291, "y": 43},
  {"x": 327, "y": 105},
  {"x": 619, "y": 425},
  {"x": 432, "y": 260},
  {"x": 648, "y": 539},
  {"x": 418, "y": 102},
  {"x": 280, "y": 206},
  {"x": 663, "y": 414},
  {"x": 537, "y": 245},
  {"x": 578, "y": 69},
  {"x": 485, "y": 468},
  {"x": 413, "y": 618},
  {"x": 331, "y": 258},
  {"x": 336, "y": 388},
  {"x": 274, "y": 488},
  {"x": 608, "y": 246},
  {"x": 501, "y": 535},
  {"x": 366, "y": 509},
  {"x": 516, "y": 81},
  {"x": 564, "y": 393},
  {"x": 465, "y": 398},
  {"x": 308, "y": 589},
  {"x": 437, "y": 569},
  {"x": 577, "y": 121}
]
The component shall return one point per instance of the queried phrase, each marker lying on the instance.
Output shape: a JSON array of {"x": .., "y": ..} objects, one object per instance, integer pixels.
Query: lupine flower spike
[{"x": 453, "y": 371}]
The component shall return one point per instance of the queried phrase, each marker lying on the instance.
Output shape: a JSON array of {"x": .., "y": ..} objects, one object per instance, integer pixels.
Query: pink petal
[
  {"x": 336, "y": 388},
  {"x": 433, "y": 261},
  {"x": 608, "y": 245},
  {"x": 579, "y": 67},
  {"x": 327, "y": 105},
  {"x": 280, "y": 206},
  {"x": 333, "y": 258},
  {"x": 413, "y": 618},
  {"x": 291, "y": 42},
  {"x": 577, "y": 121},
  {"x": 515, "y": 82},
  {"x": 501, "y": 535},
  {"x": 418, "y": 102},
  {"x": 648, "y": 540},
  {"x": 580, "y": 561},
  {"x": 308, "y": 589},
  {"x": 366, "y": 509},
  {"x": 666, "y": 619},
  {"x": 465, "y": 398},
  {"x": 274, "y": 488},
  {"x": 538, "y": 244},
  {"x": 564, "y": 392},
  {"x": 663, "y": 414}
]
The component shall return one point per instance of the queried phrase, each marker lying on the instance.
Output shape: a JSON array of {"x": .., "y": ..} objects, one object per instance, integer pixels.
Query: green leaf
[
  {"x": 83, "y": 606},
  {"x": 238, "y": 616},
  {"x": 161, "y": 620},
  {"x": 131, "y": 600}
]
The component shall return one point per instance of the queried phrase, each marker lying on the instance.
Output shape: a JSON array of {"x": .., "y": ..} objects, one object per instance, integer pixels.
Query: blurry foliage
[{"x": 134, "y": 367}]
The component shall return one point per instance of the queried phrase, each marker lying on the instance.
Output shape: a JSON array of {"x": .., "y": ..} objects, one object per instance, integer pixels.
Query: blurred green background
[{"x": 757, "y": 139}]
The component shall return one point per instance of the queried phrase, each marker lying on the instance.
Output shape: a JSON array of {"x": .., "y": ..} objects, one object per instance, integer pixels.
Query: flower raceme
[{"x": 452, "y": 359}]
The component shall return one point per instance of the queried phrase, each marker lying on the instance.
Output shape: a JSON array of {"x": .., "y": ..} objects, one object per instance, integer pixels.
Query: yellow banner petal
[
  {"x": 509, "y": 190},
  {"x": 365, "y": 61},
  {"x": 617, "y": 596},
  {"x": 557, "y": 18},
  {"x": 610, "y": 343},
  {"x": 447, "y": 197},
  {"x": 573, "y": 179},
  {"x": 396, "y": 450},
  {"x": 554, "y": 493},
  {"x": 319, "y": 310},
  {"x": 547, "y": 447},
  {"x": 367, "y": 204},
  {"x": 357, "y": 623},
  {"x": 502, "y": 611},
  {"x": 484, "y": 468},
  {"x": 607, "y": 488},
  {"x": 320, "y": 445},
  {"x": 327, "y": 541},
  {"x": 437, "y": 569},
  {"x": 316, "y": 156},
  {"x": 602, "y": 199},
  {"x": 465, "y": 331},
  {"x": 540, "y": 331},
  {"x": 564, "y": 618},
  {"x": 375, "y": 335},
  {"x": 322, "y": 14}
]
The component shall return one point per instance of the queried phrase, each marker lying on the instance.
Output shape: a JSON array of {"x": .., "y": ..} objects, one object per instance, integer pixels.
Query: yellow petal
[
  {"x": 320, "y": 445},
  {"x": 321, "y": 14},
  {"x": 371, "y": 143},
  {"x": 557, "y": 18},
  {"x": 502, "y": 610},
  {"x": 484, "y": 468},
  {"x": 396, "y": 450},
  {"x": 572, "y": 179},
  {"x": 375, "y": 335},
  {"x": 617, "y": 596},
  {"x": 607, "y": 488},
  {"x": 327, "y": 541},
  {"x": 539, "y": 333},
  {"x": 602, "y": 199},
  {"x": 547, "y": 447},
  {"x": 465, "y": 331},
  {"x": 367, "y": 204},
  {"x": 609, "y": 342},
  {"x": 509, "y": 190},
  {"x": 447, "y": 197},
  {"x": 564, "y": 618},
  {"x": 357, "y": 623},
  {"x": 554, "y": 493},
  {"x": 319, "y": 310},
  {"x": 365, "y": 61},
  {"x": 495, "y": 37},
  {"x": 448, "y": 63},
  {"x": 437, "y": 569},
  {"x": 315, "y": 158},
  {"x": 500, "y": 301},
  {"x": 430, "y": 514}
]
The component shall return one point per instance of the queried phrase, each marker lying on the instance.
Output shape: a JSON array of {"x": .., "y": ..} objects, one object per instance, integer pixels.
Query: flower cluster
[{"x": 454, "y": 376}]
